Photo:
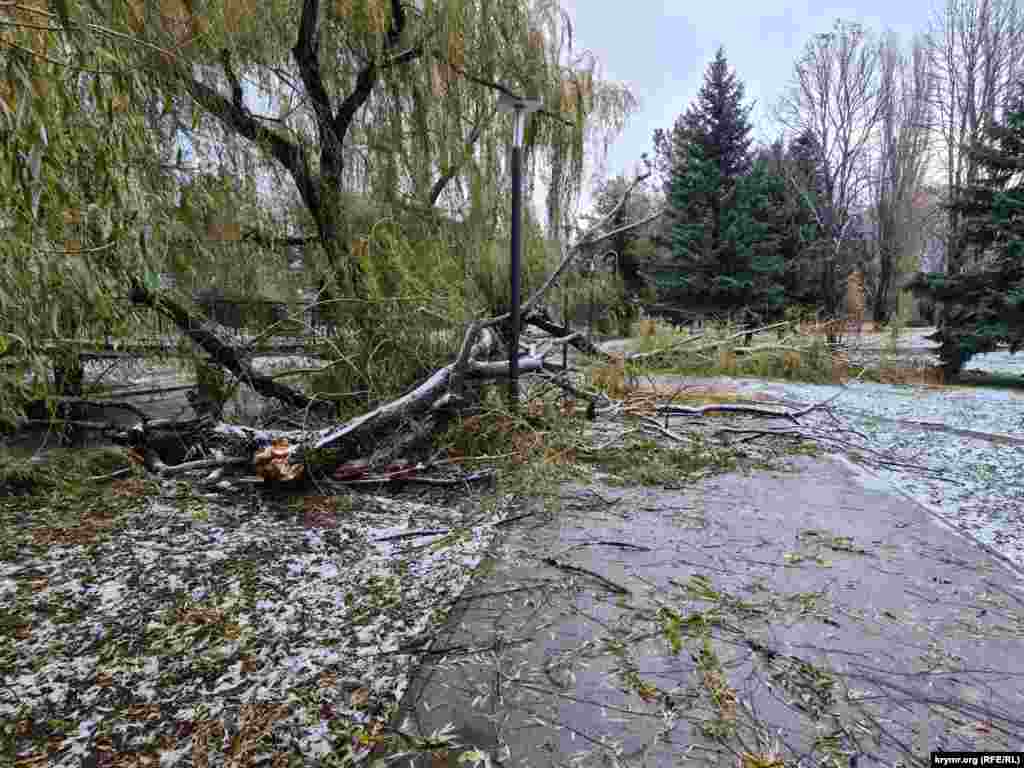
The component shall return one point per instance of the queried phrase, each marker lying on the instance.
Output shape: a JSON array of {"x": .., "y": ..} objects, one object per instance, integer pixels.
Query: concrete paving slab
[{"x": 817, "y": 616}]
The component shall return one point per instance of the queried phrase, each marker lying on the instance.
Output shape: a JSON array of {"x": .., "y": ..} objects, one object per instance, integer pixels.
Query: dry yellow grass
[
  {"x": 926, "y": 375},
  {"x": 611, "y": 377},
  {"x": 648, "y": 327},
  {"x": 791, "y": 361},
  {"x": 727, "y": 361},
  {"x": 840, "y": 368}
]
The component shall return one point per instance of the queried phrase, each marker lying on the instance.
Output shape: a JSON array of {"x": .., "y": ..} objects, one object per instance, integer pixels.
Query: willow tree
[
  {"x": 80, "y": 182},
  {"x": 337, "y": 107},
  {"x": 383, "y": 99}
]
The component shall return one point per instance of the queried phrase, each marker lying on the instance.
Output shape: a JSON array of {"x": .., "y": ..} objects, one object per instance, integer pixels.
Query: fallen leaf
[{"x": 359, "y": 697}]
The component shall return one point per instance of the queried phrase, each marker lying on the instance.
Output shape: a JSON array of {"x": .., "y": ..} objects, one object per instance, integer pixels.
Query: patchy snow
[
  {"x": 187, "y": 639},
  {"x": 972, "y": 437}
]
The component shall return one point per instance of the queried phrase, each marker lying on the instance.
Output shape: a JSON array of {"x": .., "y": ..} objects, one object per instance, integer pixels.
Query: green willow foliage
[
  {"x": 74, "y": 199},
  {"x": 134, "y": 131}
]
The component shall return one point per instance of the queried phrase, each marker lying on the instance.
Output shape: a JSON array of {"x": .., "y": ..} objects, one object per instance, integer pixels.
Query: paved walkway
[{"x": 816, "y": 614}]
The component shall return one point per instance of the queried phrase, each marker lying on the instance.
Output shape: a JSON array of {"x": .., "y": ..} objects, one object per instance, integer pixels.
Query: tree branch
[
  {"x": 367, "y": 77},
  {"x": 236, "y": 85},
  {"x": 589, "y": 235},
  {"x": 267, "y": 241},
  {"x": 292, "y": 156},
  {"x": 306, "y": 53},
  {"x": 450, "y": 174},
  {"x": 221, "y": 353},
  {"x": 497, "y": 87}
]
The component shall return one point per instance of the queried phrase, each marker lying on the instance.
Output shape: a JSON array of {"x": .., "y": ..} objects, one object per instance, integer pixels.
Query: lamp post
[{"x": 519, "y": 108}]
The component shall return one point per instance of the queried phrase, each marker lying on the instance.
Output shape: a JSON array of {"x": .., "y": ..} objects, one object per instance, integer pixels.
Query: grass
[
  {"x": 802, "y": 357},
  {"x": 64, "y": 470}
]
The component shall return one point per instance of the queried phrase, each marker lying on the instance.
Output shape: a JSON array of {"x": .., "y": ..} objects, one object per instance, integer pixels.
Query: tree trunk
[{"x": 881, "y": 309}]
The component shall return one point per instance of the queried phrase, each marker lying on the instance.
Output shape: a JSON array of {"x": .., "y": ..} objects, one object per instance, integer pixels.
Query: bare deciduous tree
[
  {"x": 834, "y": 97},
  {"x": 901, "y": 164},
  {"x": 975, "y": 49}
]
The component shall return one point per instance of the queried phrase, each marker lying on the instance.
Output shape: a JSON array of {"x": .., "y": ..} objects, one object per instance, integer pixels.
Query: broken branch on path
[
  {"x": 165, "y": 470},
  {"x": 873, "y": 456},
  {"x": 509, "y": 520},
  {"x": 651, "y": 423},
  {"x": 617, "y": 544},
  {"x": 415, "y": 534},
  {"x": 703, "y": 410},
  {"x": 607, "y": 583},
  {"x": 405, "y": 477},
  {"x": 576, "y": 392}
]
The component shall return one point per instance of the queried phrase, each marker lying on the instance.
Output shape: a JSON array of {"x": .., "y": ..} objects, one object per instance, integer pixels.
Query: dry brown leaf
[
  {"x": 132, "y": 487},
  {"x": 34, "y": 760},
  {"x": 359, "y": 697},
  {"x": 272, "y": 463}
]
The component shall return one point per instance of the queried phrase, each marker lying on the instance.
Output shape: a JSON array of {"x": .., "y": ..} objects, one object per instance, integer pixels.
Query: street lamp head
[{"x": 520, "y": 108}]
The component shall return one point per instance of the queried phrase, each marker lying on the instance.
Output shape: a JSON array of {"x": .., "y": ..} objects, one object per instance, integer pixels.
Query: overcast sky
[{"x": 661, "y": 49}]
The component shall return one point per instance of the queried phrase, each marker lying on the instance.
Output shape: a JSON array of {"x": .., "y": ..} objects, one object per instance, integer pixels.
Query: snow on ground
[
  {"x": 190, "y": 632},
  {"x": 982, "y": 492}
]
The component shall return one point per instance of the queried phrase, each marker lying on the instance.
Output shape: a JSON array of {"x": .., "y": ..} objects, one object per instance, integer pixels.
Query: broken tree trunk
[
  {"x": 222, "y": 353},
  {"x": 385, "y": 432}
]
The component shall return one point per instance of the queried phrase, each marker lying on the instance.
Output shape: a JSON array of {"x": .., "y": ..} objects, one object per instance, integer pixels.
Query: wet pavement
[{"x": 815, "y": 615}]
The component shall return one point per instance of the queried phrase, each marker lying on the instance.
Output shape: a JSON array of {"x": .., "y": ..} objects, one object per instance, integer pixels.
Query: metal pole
[
  {"x": 565, "y": 322},
  {"x": 520, "y": 108},
  {"x": 517, "y": 202}
]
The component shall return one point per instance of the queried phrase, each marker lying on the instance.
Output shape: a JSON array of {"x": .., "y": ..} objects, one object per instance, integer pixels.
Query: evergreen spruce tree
[
  {"x": 719, "y": 124},
  {"x": 745, "y": 268},
  {"x": 692, "y": 185},
  {"x": 752, "y": 231},
  {"x": 985, "y": 303},
  {"x": 726, "y": 232}
]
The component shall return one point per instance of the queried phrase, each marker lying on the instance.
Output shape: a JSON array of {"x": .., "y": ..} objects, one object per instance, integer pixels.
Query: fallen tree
[{"x": 381, "y": 436}]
